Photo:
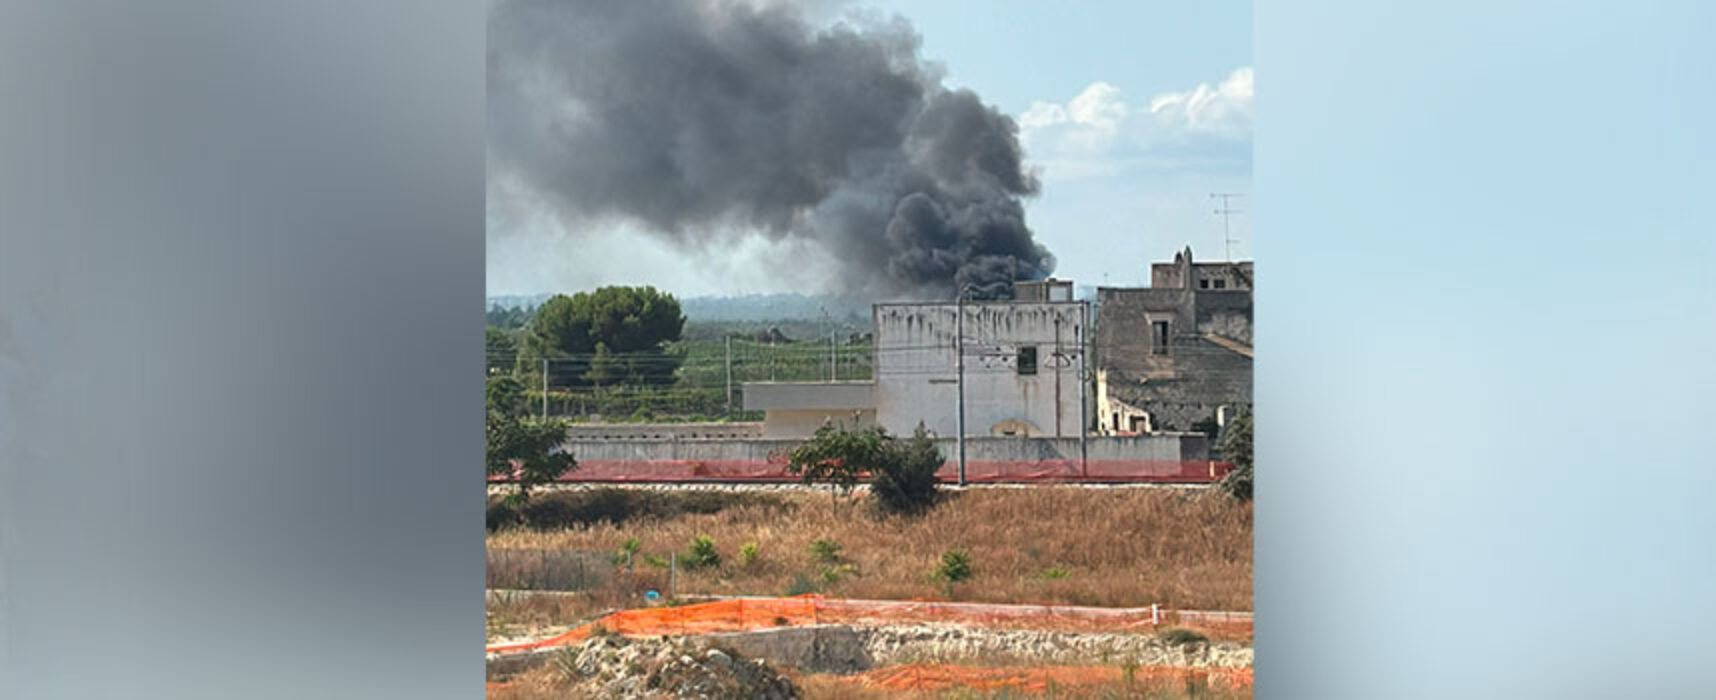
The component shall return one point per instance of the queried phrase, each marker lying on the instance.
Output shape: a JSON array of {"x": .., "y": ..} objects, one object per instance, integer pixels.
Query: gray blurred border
[{"x": 241, "y": 283}]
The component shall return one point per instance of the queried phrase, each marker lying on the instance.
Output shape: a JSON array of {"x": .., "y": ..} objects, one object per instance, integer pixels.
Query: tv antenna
[{"x": 1225, "y": 210}]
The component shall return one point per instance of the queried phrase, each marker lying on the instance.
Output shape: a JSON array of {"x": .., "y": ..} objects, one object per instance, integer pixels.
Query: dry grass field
[{"x": 1108, "y": 547}]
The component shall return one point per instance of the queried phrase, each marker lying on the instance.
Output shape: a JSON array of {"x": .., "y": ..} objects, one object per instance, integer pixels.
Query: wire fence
[{"x": 548, "y": 569}]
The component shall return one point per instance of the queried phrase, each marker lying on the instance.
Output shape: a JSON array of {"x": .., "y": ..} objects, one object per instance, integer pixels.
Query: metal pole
[
  {"x": 545, "y": 388},
  {"x": 1057, "y": 362},
  {"x": 959, "y": 364},
  {"x": 1083, "y": 420},
  {"x": 729, "y": 375},
  {"x": 832, "y": 372}
]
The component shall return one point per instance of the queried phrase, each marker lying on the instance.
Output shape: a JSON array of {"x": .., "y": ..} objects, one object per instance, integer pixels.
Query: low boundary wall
[{"x": 1173, "y": 458}]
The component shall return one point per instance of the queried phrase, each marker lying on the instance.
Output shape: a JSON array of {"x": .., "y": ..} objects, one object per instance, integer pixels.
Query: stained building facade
[{"x": 1177, "y": 355}]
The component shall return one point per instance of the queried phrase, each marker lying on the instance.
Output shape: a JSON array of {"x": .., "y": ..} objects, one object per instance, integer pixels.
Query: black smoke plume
[{"x": 699, "y": 117}]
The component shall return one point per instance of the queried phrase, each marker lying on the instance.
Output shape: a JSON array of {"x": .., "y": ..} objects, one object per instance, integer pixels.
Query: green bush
[
  {"x": 748, "y": 554},
  {"x": 906, "y": 482},
  {"x": 955, "y": 566},
  {"x": 902, "y": 473},
  {"x": 1235, "y": 447},
  {"x": 702, "y": 554},
  {"x": 825, "y": 551},
  {"x": 627, "y": 551}
]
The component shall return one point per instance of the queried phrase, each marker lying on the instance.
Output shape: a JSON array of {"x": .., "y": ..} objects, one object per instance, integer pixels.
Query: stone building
[{"x": 1174, "y": 356}]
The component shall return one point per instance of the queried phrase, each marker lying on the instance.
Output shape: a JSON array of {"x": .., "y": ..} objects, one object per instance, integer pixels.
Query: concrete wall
[
  {"x": 663, "y": 431},
  {"x": 798, "y": 424},
  {"x": 916, "y": 371},
  {"x": 1142, "y": 458}
]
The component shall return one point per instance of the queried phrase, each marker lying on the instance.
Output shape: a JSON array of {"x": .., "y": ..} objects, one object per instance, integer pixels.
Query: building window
[
  {"x": 1027, "y": 360},
  {"x": 1203, "y": 284},
  {"x": 1221, "y": 284},
  {"x": 1159, "y": 337}
]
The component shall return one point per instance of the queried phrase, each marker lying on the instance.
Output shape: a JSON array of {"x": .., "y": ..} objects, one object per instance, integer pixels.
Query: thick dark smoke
[{"x": 694, "y": 118}]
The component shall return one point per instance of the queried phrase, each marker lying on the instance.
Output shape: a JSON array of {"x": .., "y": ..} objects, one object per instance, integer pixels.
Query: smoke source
[{"x": 697, "y": 119}]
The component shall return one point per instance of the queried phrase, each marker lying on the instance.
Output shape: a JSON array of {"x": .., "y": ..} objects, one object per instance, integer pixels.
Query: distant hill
[{"x": 521, "y": 301}]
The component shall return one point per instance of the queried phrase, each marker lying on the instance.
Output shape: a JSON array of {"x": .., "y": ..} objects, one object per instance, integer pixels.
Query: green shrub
[
  {"x": 748, "y": 554},
  {"x": 627, "y": 551},
  {"x": 1235, "y": 447},
  {"x": 1056, "y": 573},
  {"x": 825, "y": 551},
  {"x": 955, "y": 566},
  {"x": 833, "y": 574},
  {"x": 501, "y": 514},
  {"x": 906, "y": 481},
  {"x": 702, "y": 553}
]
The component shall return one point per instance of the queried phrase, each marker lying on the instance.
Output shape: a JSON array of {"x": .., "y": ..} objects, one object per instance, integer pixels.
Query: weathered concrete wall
[
  {"x": 916, "y": 367},
  {"x": 1187, "y": 380},
  {"x": 798, "y": 424},
  {"x": 663, "y": 431},
  {"x": 1144, "y": 458}
]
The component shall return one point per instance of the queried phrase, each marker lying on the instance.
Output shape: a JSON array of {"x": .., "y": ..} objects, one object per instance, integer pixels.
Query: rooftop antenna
[{"x": 1225, "y": 210}]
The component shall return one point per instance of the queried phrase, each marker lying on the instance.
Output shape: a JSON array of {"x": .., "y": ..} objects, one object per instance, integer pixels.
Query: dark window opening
[
  {"x": 1027, "y": 361},
  {"x": 1221, "y": 284},
  {"x": 1159, "y": 337},
  {"x": 1203, "y": 284}
]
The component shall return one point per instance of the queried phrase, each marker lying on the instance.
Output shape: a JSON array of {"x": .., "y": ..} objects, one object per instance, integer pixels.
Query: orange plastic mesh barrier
[
  {"x": 1037, "y": 679},
  {"x": 739, "y": 614}
]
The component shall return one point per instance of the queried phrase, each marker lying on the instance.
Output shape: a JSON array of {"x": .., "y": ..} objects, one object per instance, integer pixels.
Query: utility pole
[
  {"x": 830, "y": 321},
  {"x": 959, "y": 365},
  {"x": 729, "y": 374},
  {"x": 1083, "y": 421},
  {"x": 1059, "y": 357},
  {"x": 1224, "y": 211}
]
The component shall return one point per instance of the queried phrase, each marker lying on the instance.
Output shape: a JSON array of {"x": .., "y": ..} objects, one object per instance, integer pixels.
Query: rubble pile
[{"x": 663, "y": 668}]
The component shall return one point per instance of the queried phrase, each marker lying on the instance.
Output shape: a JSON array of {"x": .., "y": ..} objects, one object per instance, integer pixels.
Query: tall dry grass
[{"x": 1118, "y": 547}]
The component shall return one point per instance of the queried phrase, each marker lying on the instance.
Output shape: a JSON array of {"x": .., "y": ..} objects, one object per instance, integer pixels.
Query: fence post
[
  {"x": 673, "y": 575},
  {"x": 1155, "y": 616}
]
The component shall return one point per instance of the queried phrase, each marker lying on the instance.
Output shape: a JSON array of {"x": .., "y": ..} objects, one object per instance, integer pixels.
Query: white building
[{"x": 1023, "y": 360}]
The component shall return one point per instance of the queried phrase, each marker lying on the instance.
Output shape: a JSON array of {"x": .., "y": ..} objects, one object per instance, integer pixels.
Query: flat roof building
[{"x": 1022, "y": 363}]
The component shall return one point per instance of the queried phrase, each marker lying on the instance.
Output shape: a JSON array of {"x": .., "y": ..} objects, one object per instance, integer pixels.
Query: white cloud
[
  {"x": 1097, "y": 133},
  {"x": 1224, "y": 109}
]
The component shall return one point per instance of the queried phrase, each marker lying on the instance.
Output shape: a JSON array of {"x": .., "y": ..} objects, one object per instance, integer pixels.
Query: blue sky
[{"x": 1133, "y": 113}]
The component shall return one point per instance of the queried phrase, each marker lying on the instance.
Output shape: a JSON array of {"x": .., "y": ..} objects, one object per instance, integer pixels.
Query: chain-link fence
[{"x": 548, "y": 569}]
